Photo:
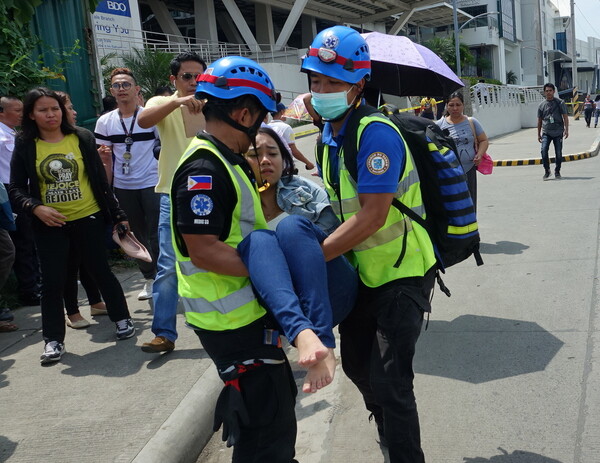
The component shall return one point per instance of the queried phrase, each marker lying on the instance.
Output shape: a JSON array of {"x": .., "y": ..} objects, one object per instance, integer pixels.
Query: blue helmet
[
  {"x": 339, "y": 52},
  {"x": 234, "y": 76}
]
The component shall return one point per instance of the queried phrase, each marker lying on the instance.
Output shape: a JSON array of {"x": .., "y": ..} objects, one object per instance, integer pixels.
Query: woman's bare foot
[
  {"x": 310, "y": 348},
  {"x": 321, "y": 374}
]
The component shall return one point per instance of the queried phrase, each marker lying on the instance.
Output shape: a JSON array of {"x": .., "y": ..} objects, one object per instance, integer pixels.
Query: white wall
[
  {"x": 287, "y": 79},
  {"x": 499, "y": 119}
]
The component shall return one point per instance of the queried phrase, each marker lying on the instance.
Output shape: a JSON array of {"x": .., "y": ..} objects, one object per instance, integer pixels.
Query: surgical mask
[{"x": 330, "y": 106}]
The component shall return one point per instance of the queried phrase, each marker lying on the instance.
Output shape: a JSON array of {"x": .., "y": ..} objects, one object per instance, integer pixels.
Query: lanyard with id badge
[{"x": 125, "y": 168}]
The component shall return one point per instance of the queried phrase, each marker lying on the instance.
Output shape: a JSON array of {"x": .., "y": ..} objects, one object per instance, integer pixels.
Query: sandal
[{"x": 6, "y": 327}]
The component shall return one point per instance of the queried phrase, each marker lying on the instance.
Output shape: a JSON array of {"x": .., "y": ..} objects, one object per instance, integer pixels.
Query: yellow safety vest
[
  {"x": 376, "y": 257},
  {"x": 213, "y": 301}
]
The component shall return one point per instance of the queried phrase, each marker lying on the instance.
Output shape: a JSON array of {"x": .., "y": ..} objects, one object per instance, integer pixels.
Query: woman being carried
[{"x": 320, "y": 293}]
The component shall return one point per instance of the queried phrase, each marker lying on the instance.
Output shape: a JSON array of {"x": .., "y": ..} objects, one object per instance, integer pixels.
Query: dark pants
[
  {"x": 378, "y": 341},
  {"x": 558, "y": 144},
  {"x": 472, "y": 185},
  {"x": 143, "y": 208},
  {"x": 587, "y": 113},
  {"x": 269, "y": 393},
  {"x": 76, "y": 269},
  {"x": 427, "y": 115},
  {"x": 54, "y": 243},
  {"x": 7, "y": 256},
  {"x": 26, "y": 266}
]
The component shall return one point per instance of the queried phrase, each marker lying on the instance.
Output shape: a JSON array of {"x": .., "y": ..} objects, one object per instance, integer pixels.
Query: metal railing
[
  {"x": 502, "y": 95},
  {"x": 207, "y": 49}
]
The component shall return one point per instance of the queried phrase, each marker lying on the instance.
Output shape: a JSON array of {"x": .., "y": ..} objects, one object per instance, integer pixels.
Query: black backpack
[{"x": 450, "y": 214}]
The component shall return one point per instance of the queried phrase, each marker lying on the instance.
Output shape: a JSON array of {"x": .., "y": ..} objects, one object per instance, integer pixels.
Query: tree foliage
[
  {"x": 511, "y": 77},
  {"x": 150, "y": 68},
  {"x": 444, "y": 48},
  {"x": 19, "y": 69}
]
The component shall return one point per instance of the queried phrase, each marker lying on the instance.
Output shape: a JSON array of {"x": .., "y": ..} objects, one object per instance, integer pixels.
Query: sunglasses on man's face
[
  {"x": 123, "y": 85},
  {"x": 187, "y": 76}
]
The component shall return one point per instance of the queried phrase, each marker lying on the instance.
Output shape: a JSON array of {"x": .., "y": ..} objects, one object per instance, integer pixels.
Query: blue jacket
[{"x": 300, "y": 196}]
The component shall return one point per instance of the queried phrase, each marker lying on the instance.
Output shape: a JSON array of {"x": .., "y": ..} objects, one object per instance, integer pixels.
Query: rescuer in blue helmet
[
  {"x": 215, "y": 206},
  {"x": 378, "y": 338}
]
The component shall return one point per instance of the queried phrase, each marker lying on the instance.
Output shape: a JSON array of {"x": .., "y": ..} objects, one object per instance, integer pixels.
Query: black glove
[{"x": 231, "y": 412}]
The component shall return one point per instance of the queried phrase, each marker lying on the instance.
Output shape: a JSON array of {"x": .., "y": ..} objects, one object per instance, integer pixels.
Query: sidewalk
[
  {"x": 106, "y": 401},
  {"x": 522, "y": 148},
  {"x": 507, "y": 362}
]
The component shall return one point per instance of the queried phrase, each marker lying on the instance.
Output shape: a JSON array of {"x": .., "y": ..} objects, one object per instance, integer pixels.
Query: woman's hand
[
  {"x": 49, "y": 216},
  {"x": 477, "y": 159},
  {"x": 121, "y": 227}
]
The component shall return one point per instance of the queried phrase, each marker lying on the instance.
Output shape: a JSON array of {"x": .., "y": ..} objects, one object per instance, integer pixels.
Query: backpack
[{"x": 450, "y": 220}]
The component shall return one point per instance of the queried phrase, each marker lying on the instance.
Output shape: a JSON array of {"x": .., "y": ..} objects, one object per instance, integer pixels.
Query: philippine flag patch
[{"x": 199, "y": 182}]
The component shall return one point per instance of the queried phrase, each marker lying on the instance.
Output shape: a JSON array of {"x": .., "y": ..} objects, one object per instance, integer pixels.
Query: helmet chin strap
[{"x": 251, "y": 133}]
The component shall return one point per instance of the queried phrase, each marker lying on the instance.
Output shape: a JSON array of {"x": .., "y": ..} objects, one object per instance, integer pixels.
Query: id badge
[
  {"x": 551, "y": 119},
  {"x": 125, "y": 168}
]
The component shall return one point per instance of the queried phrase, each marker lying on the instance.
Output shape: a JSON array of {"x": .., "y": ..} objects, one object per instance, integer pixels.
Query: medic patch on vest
[
  {"x": 201, "y": 205},
  {"x": 378, "y": 163}
]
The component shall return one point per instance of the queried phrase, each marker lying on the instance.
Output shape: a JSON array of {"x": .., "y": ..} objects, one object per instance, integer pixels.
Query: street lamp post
[
  {"x": 456, "y": 43},
  {"x": 457, "y": 31}
]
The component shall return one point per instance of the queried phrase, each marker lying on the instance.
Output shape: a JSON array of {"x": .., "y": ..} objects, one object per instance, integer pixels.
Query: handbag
[{"x": 486, "y": 165}]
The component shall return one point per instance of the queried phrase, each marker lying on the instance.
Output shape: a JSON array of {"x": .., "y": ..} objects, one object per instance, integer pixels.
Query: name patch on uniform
[
  {"x": 378, "y": 163},
  {"x": 201, "y": 205},
  {"x": 199, "y": 182}
]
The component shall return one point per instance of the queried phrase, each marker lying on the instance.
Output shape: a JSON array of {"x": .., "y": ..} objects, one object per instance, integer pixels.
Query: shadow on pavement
[
  {"x": 566, "y": 177},
  {"x": 477, "y": 349},
  {"x": 158, "y": 360},
  {"x": 4, "y": 365},
  {"x": 109, "y": 362},
  {"x": 7, "y": 448},
  {"x": 502, "y": 247},
  {"x": 518, "y": 456}
]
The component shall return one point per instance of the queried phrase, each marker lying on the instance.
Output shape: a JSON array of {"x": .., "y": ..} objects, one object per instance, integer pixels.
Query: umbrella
[
  {"x": 297, "y": 110},
  {"x": 404, "y": 68}
]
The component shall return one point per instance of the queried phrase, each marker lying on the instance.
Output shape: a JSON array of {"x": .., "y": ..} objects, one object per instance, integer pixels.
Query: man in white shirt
[
  {"x": 135, "y": 170},
  {"x": 287, "y": 135},
  {"x": 482, "y": 92},
  {"x": 26, "y": 265}
]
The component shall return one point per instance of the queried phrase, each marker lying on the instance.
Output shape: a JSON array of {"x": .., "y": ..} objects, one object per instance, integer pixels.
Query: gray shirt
[
  {"x": 550, "y": 112},
  {"x": 463, "y": 136}
]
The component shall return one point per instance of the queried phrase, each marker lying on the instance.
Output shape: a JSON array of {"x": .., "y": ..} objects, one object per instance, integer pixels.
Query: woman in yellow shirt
[{"x": 58, "y": 177}]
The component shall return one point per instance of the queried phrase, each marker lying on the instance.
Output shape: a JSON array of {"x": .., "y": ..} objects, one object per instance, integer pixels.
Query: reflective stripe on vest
[
  {"x": 377, "y": 255},
  {"x": 213, "y": 301}
]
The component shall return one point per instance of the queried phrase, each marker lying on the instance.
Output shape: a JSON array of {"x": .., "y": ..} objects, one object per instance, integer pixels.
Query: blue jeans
[
  {"x": 292, "y": 279},
  {"x": 596, "y": 115},
  {"x": 164, "y": 291},
  {"x": 558, "y": 143}
]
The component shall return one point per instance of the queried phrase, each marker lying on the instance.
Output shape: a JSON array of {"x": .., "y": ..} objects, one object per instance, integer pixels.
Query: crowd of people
[{"x": 251, "y": 249}]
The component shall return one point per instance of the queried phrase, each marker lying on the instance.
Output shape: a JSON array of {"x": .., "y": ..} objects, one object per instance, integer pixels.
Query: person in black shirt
[{"x": 215, "y": 204}]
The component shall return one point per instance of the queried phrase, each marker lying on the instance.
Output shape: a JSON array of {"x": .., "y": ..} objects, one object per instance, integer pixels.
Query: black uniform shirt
[{"x": 205, "y": 196}]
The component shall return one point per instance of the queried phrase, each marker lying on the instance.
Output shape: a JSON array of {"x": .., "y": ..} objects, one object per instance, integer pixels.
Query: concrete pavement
[{"x": 505, "y": 371}]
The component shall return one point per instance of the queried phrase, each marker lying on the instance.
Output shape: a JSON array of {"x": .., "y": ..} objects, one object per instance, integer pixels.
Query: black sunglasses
[
  {"x": 123, "y": 85},
  {"x": 188, "y": 75}
]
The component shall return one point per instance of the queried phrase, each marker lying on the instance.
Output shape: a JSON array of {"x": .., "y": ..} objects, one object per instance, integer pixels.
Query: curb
[
  {"x": 536, "y": 161},
  {"x": 188, "y": 429}
]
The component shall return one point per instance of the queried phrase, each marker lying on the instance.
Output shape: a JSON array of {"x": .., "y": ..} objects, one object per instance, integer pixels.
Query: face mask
[{"x": 330, "y": 105}]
